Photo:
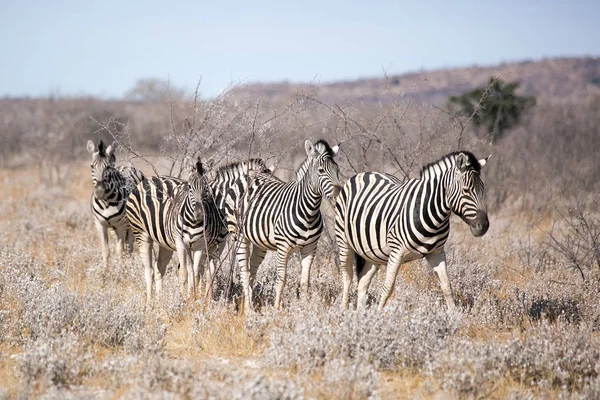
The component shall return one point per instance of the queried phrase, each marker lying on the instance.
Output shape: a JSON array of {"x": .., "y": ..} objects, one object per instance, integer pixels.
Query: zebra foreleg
[
  {"x": 199, "y": 259},
  {"x": 437, "y": 261},
  {"x": 283, "y": 254},
  {"x": 160, "y": 266},
  {"x": 346, "y": 261},
  {"x": 103, "y": 235},
  {"x": 187, "y": 266},
  {"x": 308, "y": 255},
  {"x": 145, "y": 246},
  {"x": 120, "y": 249}
]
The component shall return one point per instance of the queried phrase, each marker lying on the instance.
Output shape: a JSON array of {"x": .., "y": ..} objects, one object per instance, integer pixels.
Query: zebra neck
[
  {"x": 302, "y": 169},
  {"x": 310, "y": 198},
  {"x": 434, "y": 203}
]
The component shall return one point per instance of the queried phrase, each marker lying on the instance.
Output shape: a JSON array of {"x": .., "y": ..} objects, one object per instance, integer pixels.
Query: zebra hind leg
[
  {"x": 394, "y": 262},
  {"x": 365, "y": 275}
]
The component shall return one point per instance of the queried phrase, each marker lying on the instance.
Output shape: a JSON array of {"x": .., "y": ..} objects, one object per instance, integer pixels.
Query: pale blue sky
[{"x": 103, "y": 47}]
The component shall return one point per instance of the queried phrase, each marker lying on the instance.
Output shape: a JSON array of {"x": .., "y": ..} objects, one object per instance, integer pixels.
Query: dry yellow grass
[{"x": 223, "y": 334}]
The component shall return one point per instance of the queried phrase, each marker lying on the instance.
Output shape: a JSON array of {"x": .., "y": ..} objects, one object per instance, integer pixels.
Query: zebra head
[
  {"x": 103, "y": 158},
  {"x": 466, "y": 192},
  {"x": 197, "y": 185},
  {"x": 323, "y": 170}
]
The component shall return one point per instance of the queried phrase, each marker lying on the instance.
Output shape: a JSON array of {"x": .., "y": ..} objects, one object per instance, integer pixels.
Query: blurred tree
[
  {"x": 495, "y": 107},
  {"x": 154, "y": 90}
]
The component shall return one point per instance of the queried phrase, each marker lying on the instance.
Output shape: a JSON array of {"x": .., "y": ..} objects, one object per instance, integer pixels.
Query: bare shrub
[
  {"x": 61, "y": 361},
  {"x": 400, "y": 337}
]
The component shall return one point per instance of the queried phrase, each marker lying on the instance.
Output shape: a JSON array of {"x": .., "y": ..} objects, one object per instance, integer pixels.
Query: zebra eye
[{"x": 321, "y": 170}]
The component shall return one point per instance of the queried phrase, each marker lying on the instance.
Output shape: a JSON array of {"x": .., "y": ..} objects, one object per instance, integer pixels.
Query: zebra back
[
  {"x": 273, "y": 210},
  {"x": 376, "y": 213},
  {"x": 167, "y": 208}
]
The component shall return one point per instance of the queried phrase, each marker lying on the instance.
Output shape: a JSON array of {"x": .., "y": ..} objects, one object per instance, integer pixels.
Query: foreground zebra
[
  {"x": 285, "y": 216},
  {"x": 380, "y": 220},
  {"x": 179, "y": 216},
  {"x": 112, "y": 186}
]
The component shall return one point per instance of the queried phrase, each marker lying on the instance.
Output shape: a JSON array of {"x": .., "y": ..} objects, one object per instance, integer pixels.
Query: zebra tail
[{"x": 360, "y": 264}]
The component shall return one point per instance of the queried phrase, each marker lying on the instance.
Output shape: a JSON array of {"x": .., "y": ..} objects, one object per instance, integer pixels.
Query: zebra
[
  {"x": 179, "y": 216},
  {"x": 285, "y": 216},
  {"x": 112, "y": 186},
  {"x": 380, "y": 220},
  {"x": 230, "y": 182}
]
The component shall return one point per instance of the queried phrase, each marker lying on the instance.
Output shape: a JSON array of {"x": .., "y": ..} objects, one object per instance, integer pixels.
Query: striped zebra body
[
  {"x": 285, "y": 217},
  {"x": 381, "y": 220},
  {"x": 230, "y": 183},
  {"x": 179, "y": 216},
  {"x": 112, "y": 186}
]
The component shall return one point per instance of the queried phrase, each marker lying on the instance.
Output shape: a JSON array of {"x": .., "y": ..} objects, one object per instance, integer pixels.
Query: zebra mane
[
  {"x": 237, "y": 167},
  {"x": 323, "y": 147},
  {"x": 448, "y": 161}
]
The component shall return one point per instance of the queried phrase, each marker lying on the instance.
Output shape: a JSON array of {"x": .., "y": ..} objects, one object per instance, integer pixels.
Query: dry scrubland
[{"x": 529, "y": 289}]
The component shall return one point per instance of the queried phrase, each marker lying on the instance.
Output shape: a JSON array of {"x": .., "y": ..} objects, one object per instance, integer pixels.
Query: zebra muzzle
[
  {"x": 480, "y": 224},
  {"x": 99, "y": 192}
]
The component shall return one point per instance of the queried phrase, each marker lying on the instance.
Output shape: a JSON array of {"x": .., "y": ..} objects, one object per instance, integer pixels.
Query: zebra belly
[{"x": 371, "y": 209}]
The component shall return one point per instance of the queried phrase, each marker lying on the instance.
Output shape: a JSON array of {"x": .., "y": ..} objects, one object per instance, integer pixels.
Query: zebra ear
[
  {"x": 462, "y": 162},
  {"x": 272, "y": 168},
  {"x": 90, "y": 147},
  {"x": 310, "y": 148},
  {"x": 335, "y": 149},
  {"x": 484, "y": 161},
  {"x": 109, "y": 150}
]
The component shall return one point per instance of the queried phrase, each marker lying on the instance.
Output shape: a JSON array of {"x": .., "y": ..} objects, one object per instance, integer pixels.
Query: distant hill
[{"x": 555, "y": 79}]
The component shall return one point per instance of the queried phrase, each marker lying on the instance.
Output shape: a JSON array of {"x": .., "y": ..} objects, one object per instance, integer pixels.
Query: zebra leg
[
  {"x": 393, "y": 264},
  {"x": 120, "y": 234},
  {"x": 438, "y": 262},
  {"x": 308, "y": 255},
  {"x": 163, "y": 258},
  {"x": 242, "y": 256},
  {"x": 129, "y": 239},
  {"x": 145, "y": 245},
  {"x": 187, "y": 266},
  {"x": 199, "y": 260},
  {"x": 283, "y": 254},
  {"x": 213, "y": 257},
  {"x": 103, "y": 234},
  {"x": 364, "y": 280},
  {"x": 258, "y": 255},
  {"x": 346, "y": 261}
]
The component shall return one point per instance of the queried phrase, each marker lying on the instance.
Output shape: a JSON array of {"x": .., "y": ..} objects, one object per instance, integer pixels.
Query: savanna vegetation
[{"x": 528, "y": 291}]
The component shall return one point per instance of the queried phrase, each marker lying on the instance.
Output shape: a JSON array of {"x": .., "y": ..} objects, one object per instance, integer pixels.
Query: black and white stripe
[
  {"x": 285, "y": 217},
  {"x": 380, "y": 220},
  {"x": 230, "y": 183},
  {"x": 112, "y": 186},
  {"x": 179, "y": 216}
]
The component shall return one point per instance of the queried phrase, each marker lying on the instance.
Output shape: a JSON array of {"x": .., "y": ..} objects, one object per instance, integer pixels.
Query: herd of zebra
[{"x": 379, "y": 219}]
